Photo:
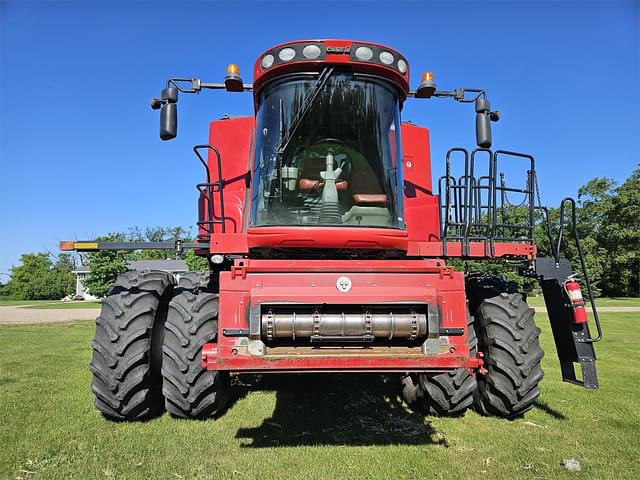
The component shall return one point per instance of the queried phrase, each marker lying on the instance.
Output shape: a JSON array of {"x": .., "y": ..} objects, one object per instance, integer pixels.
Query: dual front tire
[
  {"x": 502, "y": 328},
  {"x": 147, "y": 348},
  {"x": 190, "y": 390},
  {"x": 150, "y": 333}
]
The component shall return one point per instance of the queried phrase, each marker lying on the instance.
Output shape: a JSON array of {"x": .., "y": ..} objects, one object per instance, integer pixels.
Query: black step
[{"x": 572, "y": 339}]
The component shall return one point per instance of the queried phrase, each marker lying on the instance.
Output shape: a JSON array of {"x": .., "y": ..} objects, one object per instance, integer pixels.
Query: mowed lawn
[
  {"x": 600, "y": 302},
  {"x": 306, "y": 427},
  {"x": 48, "y": 304}
]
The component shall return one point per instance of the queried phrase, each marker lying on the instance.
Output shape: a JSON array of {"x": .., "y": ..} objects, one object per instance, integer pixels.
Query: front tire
[
  {"x": 509, "y": 339},
  {"x": 126, "y": 361},
  {"x": 190, "y": 390},
  {"x": 446, "y": 394}
]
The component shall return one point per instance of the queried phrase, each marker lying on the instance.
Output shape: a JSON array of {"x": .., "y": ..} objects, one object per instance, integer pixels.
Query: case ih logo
[
  {"x": 339, "y": 50},
  {"x": 343, "y": 284}
]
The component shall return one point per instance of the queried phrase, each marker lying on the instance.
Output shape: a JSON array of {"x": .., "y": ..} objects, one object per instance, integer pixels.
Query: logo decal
[
  {"x": 339, "y": 50},
  {"x": 343, "y": 284}
]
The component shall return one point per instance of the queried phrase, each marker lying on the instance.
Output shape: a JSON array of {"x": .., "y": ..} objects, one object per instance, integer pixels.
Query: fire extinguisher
[{"x": 572, "y": 287}]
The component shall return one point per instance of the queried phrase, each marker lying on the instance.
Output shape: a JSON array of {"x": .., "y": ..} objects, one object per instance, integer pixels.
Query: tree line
[
  {"x": 105, "y": 265},
  {"x": 608, "y": 224},
  {"x": 45, "y": 276},
  {"x": 41, "y": 276}
]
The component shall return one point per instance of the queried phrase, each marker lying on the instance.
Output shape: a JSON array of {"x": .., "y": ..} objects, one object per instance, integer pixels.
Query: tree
[
  {"x": 105, "y": 265},
  {"x": 196, "y": 263},
  {"x": 41, "y": 278},
  {"x": 156, "y": 234},
  {"x": 625, "y": 215},
  {"x": 610, "y": 225}
]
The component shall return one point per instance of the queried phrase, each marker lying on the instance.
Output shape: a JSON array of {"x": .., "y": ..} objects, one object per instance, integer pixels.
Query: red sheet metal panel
[
  {"x": 253, "y": 283},
  {"x": 233, "y": 138},
  {"x": 421, "y": 210}
]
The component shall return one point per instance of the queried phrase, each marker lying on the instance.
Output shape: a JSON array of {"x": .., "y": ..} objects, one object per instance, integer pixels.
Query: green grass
[
  {"x": 65, "y": 305},
  {"x": 49, "y": 304},
  {"x": 600, "y": 302},
  {"x": 12, "y": 303},
  {"x": 311, "y": 427}
]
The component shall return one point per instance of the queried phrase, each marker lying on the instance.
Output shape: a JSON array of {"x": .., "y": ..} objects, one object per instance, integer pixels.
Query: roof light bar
[{"x": 295, "y": 52}]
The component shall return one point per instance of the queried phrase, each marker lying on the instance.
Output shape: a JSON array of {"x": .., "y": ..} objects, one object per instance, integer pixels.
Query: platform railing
[
  {"x": 207, "y": 215},
  {"x": 474, "y": 200}
]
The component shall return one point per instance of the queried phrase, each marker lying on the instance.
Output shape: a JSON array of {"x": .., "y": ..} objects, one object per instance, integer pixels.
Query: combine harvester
[{"x": 328, "y": 250}]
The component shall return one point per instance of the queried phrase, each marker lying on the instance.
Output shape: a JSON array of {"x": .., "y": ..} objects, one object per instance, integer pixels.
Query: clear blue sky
[{"x": 80, "y": 154}]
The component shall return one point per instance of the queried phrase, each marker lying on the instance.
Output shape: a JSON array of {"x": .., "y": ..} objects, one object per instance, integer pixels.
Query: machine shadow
[
  {"x": 546, "y": 408},
  {"x": 324, "y": 409}
]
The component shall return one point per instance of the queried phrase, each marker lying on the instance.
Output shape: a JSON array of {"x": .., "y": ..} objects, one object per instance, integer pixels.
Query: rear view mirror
[
  {"x": 168, "y": 112},
  {"x": 483, "y": 123},
  {"x": 168, "y": 121}
]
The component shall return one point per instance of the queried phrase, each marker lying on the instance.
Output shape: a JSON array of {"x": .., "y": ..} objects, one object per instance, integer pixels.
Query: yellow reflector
[
  {"x": 427, "y": 76},
  {"x": 85, "y": 245},
  {"x": 233, "y": 69}
]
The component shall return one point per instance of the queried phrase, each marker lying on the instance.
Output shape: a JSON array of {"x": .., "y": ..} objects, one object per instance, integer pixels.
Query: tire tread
[
  {"x": 121, "y": 363},
  {"x": 444, "y": 394},
  {"x": 191, "y": 391}
]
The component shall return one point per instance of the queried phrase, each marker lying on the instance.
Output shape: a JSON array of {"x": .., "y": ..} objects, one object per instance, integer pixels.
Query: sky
[{"x": 79, "y": 149}]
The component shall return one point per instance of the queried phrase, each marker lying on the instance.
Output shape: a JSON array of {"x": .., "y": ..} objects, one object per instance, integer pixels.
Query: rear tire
[
  {"x": 126, "y": 358},
  {"x": 509, "y": 340},
  {"x": 190, "y": 390},
  {"x": 446, "y": 394}
]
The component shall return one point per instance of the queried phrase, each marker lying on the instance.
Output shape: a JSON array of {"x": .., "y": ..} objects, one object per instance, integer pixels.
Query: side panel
[
  {"x": 420, "y": 205},
  {"x": 233, "y": 138}
]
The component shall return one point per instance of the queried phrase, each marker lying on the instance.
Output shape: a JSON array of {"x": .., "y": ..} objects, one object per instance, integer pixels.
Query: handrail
[
  {"x": 583, "y": 266},
  {"x": 474, "y": 202},
  {"x": 219, "y": 183},
  {"x": 456, "y": 193}
]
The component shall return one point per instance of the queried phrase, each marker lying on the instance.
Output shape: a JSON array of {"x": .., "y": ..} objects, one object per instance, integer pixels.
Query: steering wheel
[
  {"x": 329, "y": 140},
  {"x": 346, "y": 164}
]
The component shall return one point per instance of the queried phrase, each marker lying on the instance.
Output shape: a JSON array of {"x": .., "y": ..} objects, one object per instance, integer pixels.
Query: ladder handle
[
  {"x": 583, "y": 265},
  {"x": 196, "y": 150}
]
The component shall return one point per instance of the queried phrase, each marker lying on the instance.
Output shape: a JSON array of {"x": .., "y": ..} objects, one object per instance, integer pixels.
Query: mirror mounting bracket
[
  {"x": 484, "y": 114},
  {"x": 195, "y": 85}
]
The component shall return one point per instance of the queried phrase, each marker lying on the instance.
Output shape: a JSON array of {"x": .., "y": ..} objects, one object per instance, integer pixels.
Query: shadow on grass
[
  {"x": 544, "y": 407},
  {"x": 324, "y": 409}
]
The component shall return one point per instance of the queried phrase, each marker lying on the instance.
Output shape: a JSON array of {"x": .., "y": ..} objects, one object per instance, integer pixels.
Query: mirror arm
[
  {"x": 484, "y": 114},
  {"x": 196, "y": 85},
  {"x": 459, "y": 94},
  {"x": 169, "y": 98}
]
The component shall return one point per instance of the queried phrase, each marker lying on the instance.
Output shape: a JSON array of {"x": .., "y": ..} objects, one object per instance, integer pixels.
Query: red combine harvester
[{"x": 328, "y": 250}]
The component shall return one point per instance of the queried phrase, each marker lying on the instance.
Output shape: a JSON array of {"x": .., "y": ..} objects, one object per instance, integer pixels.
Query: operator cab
[{"x": 327, "y": 151}]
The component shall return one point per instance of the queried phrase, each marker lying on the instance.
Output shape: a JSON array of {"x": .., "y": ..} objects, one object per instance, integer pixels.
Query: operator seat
[
  {"x": 366, "y": 189},
  {"x": 310, "y": 179}
]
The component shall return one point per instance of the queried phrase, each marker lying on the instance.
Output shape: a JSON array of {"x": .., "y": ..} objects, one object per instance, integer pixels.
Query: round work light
[
  {"x": 386, "y": 57},
  {"x": 311, "y": 51},
  {"x": 267, "y": 61},
  {"x": 286, "y": 54},
  {"x": 364, "y": 53}
]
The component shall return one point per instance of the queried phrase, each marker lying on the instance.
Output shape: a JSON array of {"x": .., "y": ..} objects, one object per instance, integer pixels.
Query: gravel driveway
[
  {"x": 22, "y": 315},
  {"x": 600, "y": 309}
]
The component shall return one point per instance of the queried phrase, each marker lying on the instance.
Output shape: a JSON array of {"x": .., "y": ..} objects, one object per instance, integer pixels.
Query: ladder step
[{"x": 568, "y": 336}]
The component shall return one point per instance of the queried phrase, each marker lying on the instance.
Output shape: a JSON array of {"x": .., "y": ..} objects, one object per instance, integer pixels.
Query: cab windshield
[{"x": 327, "y": 151}]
